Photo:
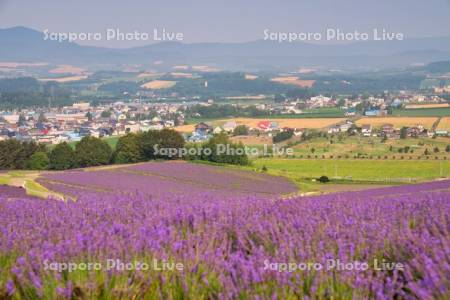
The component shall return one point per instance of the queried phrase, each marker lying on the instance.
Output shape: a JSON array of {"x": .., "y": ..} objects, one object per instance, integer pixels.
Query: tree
[
  {"x": 241, "y": 130},
  {"x": 128, "y": 149},
  {"x": 62, "y": 157},
  {"x": 166, "y": 138},
  {"x": 324, "y": 179},
  {"x": 106, "y": 114},
  {"x": 283, "y": 136},
  {"x": 38, "y": 161},
  {"x": 89, "y": 116},
  {"x": 403, "y": 132},
  {"x": 92, "y": 151},
  {"x": 15, "y": 154},
  {"x": 219, "y": 149},
  {"x": 42, "y": 118},
  {"x": 447, "y": 149},
  {"x": 22, "y": 120},
  {"x": 436, "y": 149}
]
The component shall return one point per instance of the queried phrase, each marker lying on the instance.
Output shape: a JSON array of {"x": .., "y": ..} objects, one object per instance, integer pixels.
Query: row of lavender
[
  {"x": 229, "y": 246},
  {"x": 157, "y": 179}
]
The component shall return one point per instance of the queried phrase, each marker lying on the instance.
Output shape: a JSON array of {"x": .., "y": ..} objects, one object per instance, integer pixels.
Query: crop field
[
  {"x": 155, "y": 179},
  {"x": 66, "y": 69},
  {"x": 359, "y": 170},
  {"x": 293, "y": 80},
  {"x": 159, "y": 84},
  {"x": 65, "y": 79},
  {"x": 183, "y": 231},
  {"x": 398, "y": 122},
  {"x": 433, "y": 105},
  {"x": 444, "y": 124},
  {"x": 422, "y": 112},
  {"x": 373, "y": 147}
]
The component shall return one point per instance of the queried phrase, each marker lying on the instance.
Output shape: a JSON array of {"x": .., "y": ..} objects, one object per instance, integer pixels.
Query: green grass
[
  {"x": 357, "y": 170},
  {"x": 422, "y": 112},
  {"x": 373, "y": 146}
]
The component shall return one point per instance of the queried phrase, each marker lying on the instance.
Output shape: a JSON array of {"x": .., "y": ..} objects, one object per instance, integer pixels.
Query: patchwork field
[
  {"x": 292, "y": 80},
  {"x": 444, "y": 124},
  {"x": 65, "y": 69},
  {"x": 159, "y": 84},
  {"x": 65, "y": 79},
  {"x": 398, "y": 122}
]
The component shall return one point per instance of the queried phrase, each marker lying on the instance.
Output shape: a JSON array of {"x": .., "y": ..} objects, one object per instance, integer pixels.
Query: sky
[{"x": 226, "y": 20}]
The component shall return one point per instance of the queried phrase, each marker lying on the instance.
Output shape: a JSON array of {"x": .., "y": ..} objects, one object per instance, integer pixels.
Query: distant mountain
[{"x": 27, "y": 45}]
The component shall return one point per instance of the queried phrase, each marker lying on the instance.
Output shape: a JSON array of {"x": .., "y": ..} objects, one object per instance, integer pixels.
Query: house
[
  {"x": 218, "y": 130},
  {"x": 346, "y": 126},
  {"x": 273, "y": 125},
  {"x": 198, "y": 137},
  {"x": 441, "y": 132},
  {"x": 229, "y": 126},
  {"x": 350, "y": 112},
  {"x": 132, "y": 127},
  {"x": 203, "y": 128},
  {"x": 298, "y": 132},
  {"x": 366, "y": 130},
  {"x": 372, "y": 113},
  {"x": 263, "y": 125},
  {"x": 334, "y": 129},
  {"x": 388, "y": 130}
]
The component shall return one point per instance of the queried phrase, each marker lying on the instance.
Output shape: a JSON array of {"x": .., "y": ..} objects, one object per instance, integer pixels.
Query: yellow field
[
  {"x": 294, "y": 81},
  {"x": 182, "y": 67},
  {"x": 185, "y": 128},
  {"x": 63, "y": 69},
  {"x": 292, "y": 123},
  {"x": 250, "y": 77},
  {"x": 159, "y": 84},
  {"x": 252, "y": 140},
  {"x": 398, "y": 122},
  {"x": 149, "y": 74},
  {"x": 432, "y": 105},
  {"x": 181, "y": 75},
  {"x": 444, "y": 124},
  {"x": 14, "y": 65},
  {"x": 65, "y": 79}
]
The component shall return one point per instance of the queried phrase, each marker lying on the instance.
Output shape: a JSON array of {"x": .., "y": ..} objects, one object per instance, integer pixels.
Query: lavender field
[{"x": 201, "y": 232}]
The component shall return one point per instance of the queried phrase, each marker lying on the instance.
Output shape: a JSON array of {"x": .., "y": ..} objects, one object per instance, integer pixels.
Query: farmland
[
  {"x": 311, "y": 123},
  {"x": 356, "y": 170},
  {"x": 444, "y": 124},
  {"x": 158, "y": 84},
  {"x": 155, "y": 179},
  {"x": 422, "y": 112},
  {"x": 398, "y": 122},
  {"x": 203, "y": 232},
  {"x": 373, "y": 147}
]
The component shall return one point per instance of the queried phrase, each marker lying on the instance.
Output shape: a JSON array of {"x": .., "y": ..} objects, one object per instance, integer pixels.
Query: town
[{"x": 54, "y": 125}]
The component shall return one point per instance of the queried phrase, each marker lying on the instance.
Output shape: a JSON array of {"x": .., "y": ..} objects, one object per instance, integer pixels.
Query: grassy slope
[
  {"x": 373, "y": 146},
  {"x": 359, "y": 170}
]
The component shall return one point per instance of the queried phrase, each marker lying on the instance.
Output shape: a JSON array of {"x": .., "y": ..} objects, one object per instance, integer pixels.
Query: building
[
  {"x": 230, "y": 126},
  {"x": 366, "y": 130},
  {"x": 203, "y": 128}
]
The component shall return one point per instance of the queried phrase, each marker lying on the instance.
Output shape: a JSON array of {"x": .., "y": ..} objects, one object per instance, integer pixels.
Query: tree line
[{"x": 92, "y": 151}]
